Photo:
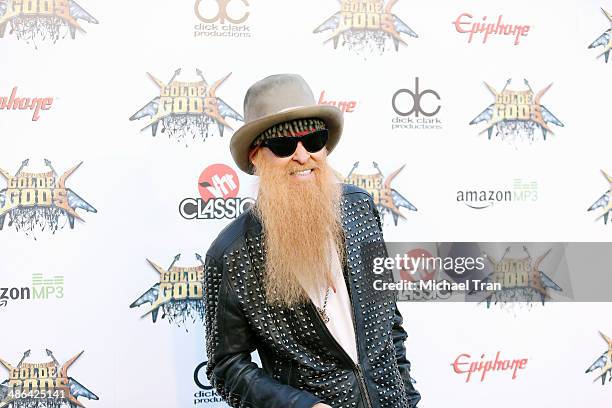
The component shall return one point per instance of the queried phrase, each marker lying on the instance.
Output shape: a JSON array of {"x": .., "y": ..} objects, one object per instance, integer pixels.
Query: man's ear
[{"x": 252, "y": 155}]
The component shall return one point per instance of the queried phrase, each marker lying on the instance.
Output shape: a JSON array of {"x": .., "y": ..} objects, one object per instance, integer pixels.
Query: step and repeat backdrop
[{"x": 466, "y": 120}]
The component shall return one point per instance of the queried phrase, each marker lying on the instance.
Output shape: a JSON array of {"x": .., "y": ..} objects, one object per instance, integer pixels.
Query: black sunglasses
[{"x": 285, "y": 146}]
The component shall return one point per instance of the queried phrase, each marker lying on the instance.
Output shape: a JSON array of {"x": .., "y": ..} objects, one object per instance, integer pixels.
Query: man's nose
[{"x": 301, "y": 155}]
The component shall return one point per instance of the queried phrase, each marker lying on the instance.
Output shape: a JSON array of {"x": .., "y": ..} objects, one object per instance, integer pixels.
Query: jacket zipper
[
  {"x": 360, "y": 376},
  {"x": 359, "y": 372},
  {"x": 356, "y": 368}
]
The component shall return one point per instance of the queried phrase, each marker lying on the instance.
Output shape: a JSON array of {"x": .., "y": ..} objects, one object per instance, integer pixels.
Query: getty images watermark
[
  {"x": 410, "y": 264},
  {"x": 492, "y": 273}
]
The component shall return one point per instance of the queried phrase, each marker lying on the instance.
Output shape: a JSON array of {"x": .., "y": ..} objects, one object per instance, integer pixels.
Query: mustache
[{"x": 309, "y": 165}]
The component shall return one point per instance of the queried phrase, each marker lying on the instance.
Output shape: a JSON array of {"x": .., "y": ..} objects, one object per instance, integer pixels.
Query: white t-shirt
[{"x": 339, "y": 311}]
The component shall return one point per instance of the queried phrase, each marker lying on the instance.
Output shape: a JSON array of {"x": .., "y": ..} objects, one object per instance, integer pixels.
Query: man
[{"x": 292, "y": 276}]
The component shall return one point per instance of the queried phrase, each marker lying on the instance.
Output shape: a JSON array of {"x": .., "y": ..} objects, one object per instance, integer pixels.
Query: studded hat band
[{"x": 292, "y": 128}]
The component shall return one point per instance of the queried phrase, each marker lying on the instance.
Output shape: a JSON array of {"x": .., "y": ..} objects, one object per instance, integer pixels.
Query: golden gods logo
[
  {"x": 604, "y": 362},
  {"x": 42, "y": 385},
  {"x": 604, "y": 201},
  {"x": 365, "y": 24},
  {"x": 187, "y": 108},
  {"x": 604, "y": 40},
  {"x": 42, "y": 19},
  {"x": 516, "y": 114},
  {"x": 179, "y": 292},
  {"x": 39, "y": 199},
  {"x": 386, "y": 199},
  {"x": 521, "y": 279}
]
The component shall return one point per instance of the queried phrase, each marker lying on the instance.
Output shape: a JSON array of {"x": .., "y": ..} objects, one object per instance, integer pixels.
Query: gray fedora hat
[{"x": 277, "y": 99}]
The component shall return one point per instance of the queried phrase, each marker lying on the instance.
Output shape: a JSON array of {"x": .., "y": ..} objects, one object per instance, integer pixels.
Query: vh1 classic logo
[
  {"x": 42, "y": 385},
  {"x": 421, "y": 273},
  {"x": 218, "y": 186},
  {"x": 222, "y": 18},
  {"x": 49, "y": 20}
]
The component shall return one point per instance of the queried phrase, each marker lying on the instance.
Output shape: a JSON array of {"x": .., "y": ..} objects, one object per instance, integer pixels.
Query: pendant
[{"x": 323, "y": 315}]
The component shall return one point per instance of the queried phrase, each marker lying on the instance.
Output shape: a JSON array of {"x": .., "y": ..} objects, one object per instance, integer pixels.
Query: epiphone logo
[
  {"x": 34, "y": 104},
  {"x": 465, "y": 365},
  {"x": 464, "y": 25},
  {"x": 347, "y": 106}
]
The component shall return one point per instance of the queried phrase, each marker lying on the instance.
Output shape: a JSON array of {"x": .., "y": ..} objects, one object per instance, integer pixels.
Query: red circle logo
[
  {"x": 218, "y": 181},
  {"x": 408, "y": 273}
]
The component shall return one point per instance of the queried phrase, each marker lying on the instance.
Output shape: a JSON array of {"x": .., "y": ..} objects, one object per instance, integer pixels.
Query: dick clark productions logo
[
  {"x": 218, "y": 186},
  {"x": 222, "y": 18},
  {"x": 416, "y": 108}
]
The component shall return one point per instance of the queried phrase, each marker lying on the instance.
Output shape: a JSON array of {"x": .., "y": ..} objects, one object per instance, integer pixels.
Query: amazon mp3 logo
[
  {"x": 520, "y": 191},
  {"x": 416, "y": 109}
]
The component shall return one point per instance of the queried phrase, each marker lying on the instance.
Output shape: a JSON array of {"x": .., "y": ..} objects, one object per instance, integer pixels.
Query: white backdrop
[{"x": 136, "y": 181}]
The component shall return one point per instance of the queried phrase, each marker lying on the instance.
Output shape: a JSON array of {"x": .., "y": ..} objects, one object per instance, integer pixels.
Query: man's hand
[{"x": 321, "y": 405}]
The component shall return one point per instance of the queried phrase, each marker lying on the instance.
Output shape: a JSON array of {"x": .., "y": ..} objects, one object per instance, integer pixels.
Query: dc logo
[
  {"x": 222, "y": 11},
  {"x": 199, "y": 377},
  {"x": 417, "y": 99}
]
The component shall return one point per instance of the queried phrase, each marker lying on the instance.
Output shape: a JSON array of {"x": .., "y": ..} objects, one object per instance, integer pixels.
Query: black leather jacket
[{"x": 302, "y": 362}]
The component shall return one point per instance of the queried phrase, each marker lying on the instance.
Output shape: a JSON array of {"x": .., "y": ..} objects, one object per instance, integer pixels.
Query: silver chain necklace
[{"x": 322, "y": 311}]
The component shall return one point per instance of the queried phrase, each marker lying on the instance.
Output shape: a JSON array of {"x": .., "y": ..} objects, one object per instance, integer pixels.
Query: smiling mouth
[{"x": 301, "y": 173}]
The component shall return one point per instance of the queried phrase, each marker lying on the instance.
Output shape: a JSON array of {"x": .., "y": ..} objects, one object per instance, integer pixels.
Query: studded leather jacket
[{"x": 302, "y": 364}]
